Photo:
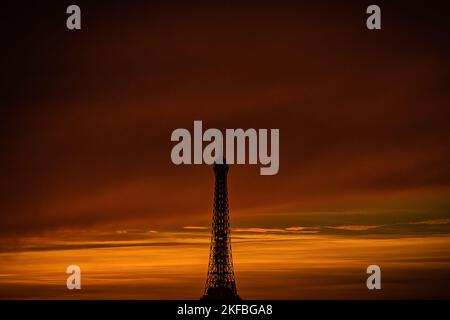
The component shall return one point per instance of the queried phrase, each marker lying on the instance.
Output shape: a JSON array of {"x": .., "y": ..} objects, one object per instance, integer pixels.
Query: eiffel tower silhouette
[{"x": 220, "y": 281}]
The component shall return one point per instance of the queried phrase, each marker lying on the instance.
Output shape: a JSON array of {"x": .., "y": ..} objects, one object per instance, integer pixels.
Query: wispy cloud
[
  {"x": 305, "y": 230},
  {"x": 195, "y": 228},
  {"x": 434, "y": 222},
  {"x": 295, "y": 228},
  {"x": 258, "y": 230},
  {"x": 356, "y": 227}
]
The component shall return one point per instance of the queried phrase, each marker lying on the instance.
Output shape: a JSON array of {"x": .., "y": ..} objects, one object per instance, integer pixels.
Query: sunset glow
[{"x": 361, "y": 176}]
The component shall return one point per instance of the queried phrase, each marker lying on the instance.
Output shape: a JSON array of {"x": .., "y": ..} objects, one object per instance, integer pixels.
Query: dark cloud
[{"x": 87, "y": 116}]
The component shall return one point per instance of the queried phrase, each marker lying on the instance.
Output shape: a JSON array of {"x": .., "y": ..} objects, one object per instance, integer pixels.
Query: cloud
[
  {"x": 304, "y": 230},
  {"x": 319, "y": 266},
  {"x": 434, "y": 222},
  {"x": 295, "y": 228},
  {"x": 99, "y": 154},
  {"x": 195, "y": 228},
  {"x": 356, "y": 227},
  {"x": 258, "y": 230}
]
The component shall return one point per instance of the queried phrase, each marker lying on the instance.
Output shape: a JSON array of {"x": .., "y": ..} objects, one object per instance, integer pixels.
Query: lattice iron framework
[{"x": 220, "y": 281}]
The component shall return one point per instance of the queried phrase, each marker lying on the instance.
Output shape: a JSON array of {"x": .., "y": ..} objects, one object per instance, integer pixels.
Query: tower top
[{"x": 221, "y": 167}]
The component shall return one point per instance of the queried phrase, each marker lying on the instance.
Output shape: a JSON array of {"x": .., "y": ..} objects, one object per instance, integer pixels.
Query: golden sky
[
  {"x": 85, "y": 126},
  {"x": 292, "y": 263}
]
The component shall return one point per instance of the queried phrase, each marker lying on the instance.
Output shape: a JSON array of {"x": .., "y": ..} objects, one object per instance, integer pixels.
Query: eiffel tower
[{"x": 220, "y": 282}]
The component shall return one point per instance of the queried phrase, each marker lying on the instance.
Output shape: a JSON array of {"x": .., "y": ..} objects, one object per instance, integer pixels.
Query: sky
[
  {"x": 289, "y": 263},
  {"x": 86, "y": 118}
]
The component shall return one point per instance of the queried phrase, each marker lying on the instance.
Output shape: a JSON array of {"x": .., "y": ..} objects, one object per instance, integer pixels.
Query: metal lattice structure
[{"x": 220, "y": 281}]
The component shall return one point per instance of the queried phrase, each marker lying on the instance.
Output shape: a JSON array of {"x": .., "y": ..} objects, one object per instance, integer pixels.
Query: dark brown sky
[{"x": 86, "y": 116}]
